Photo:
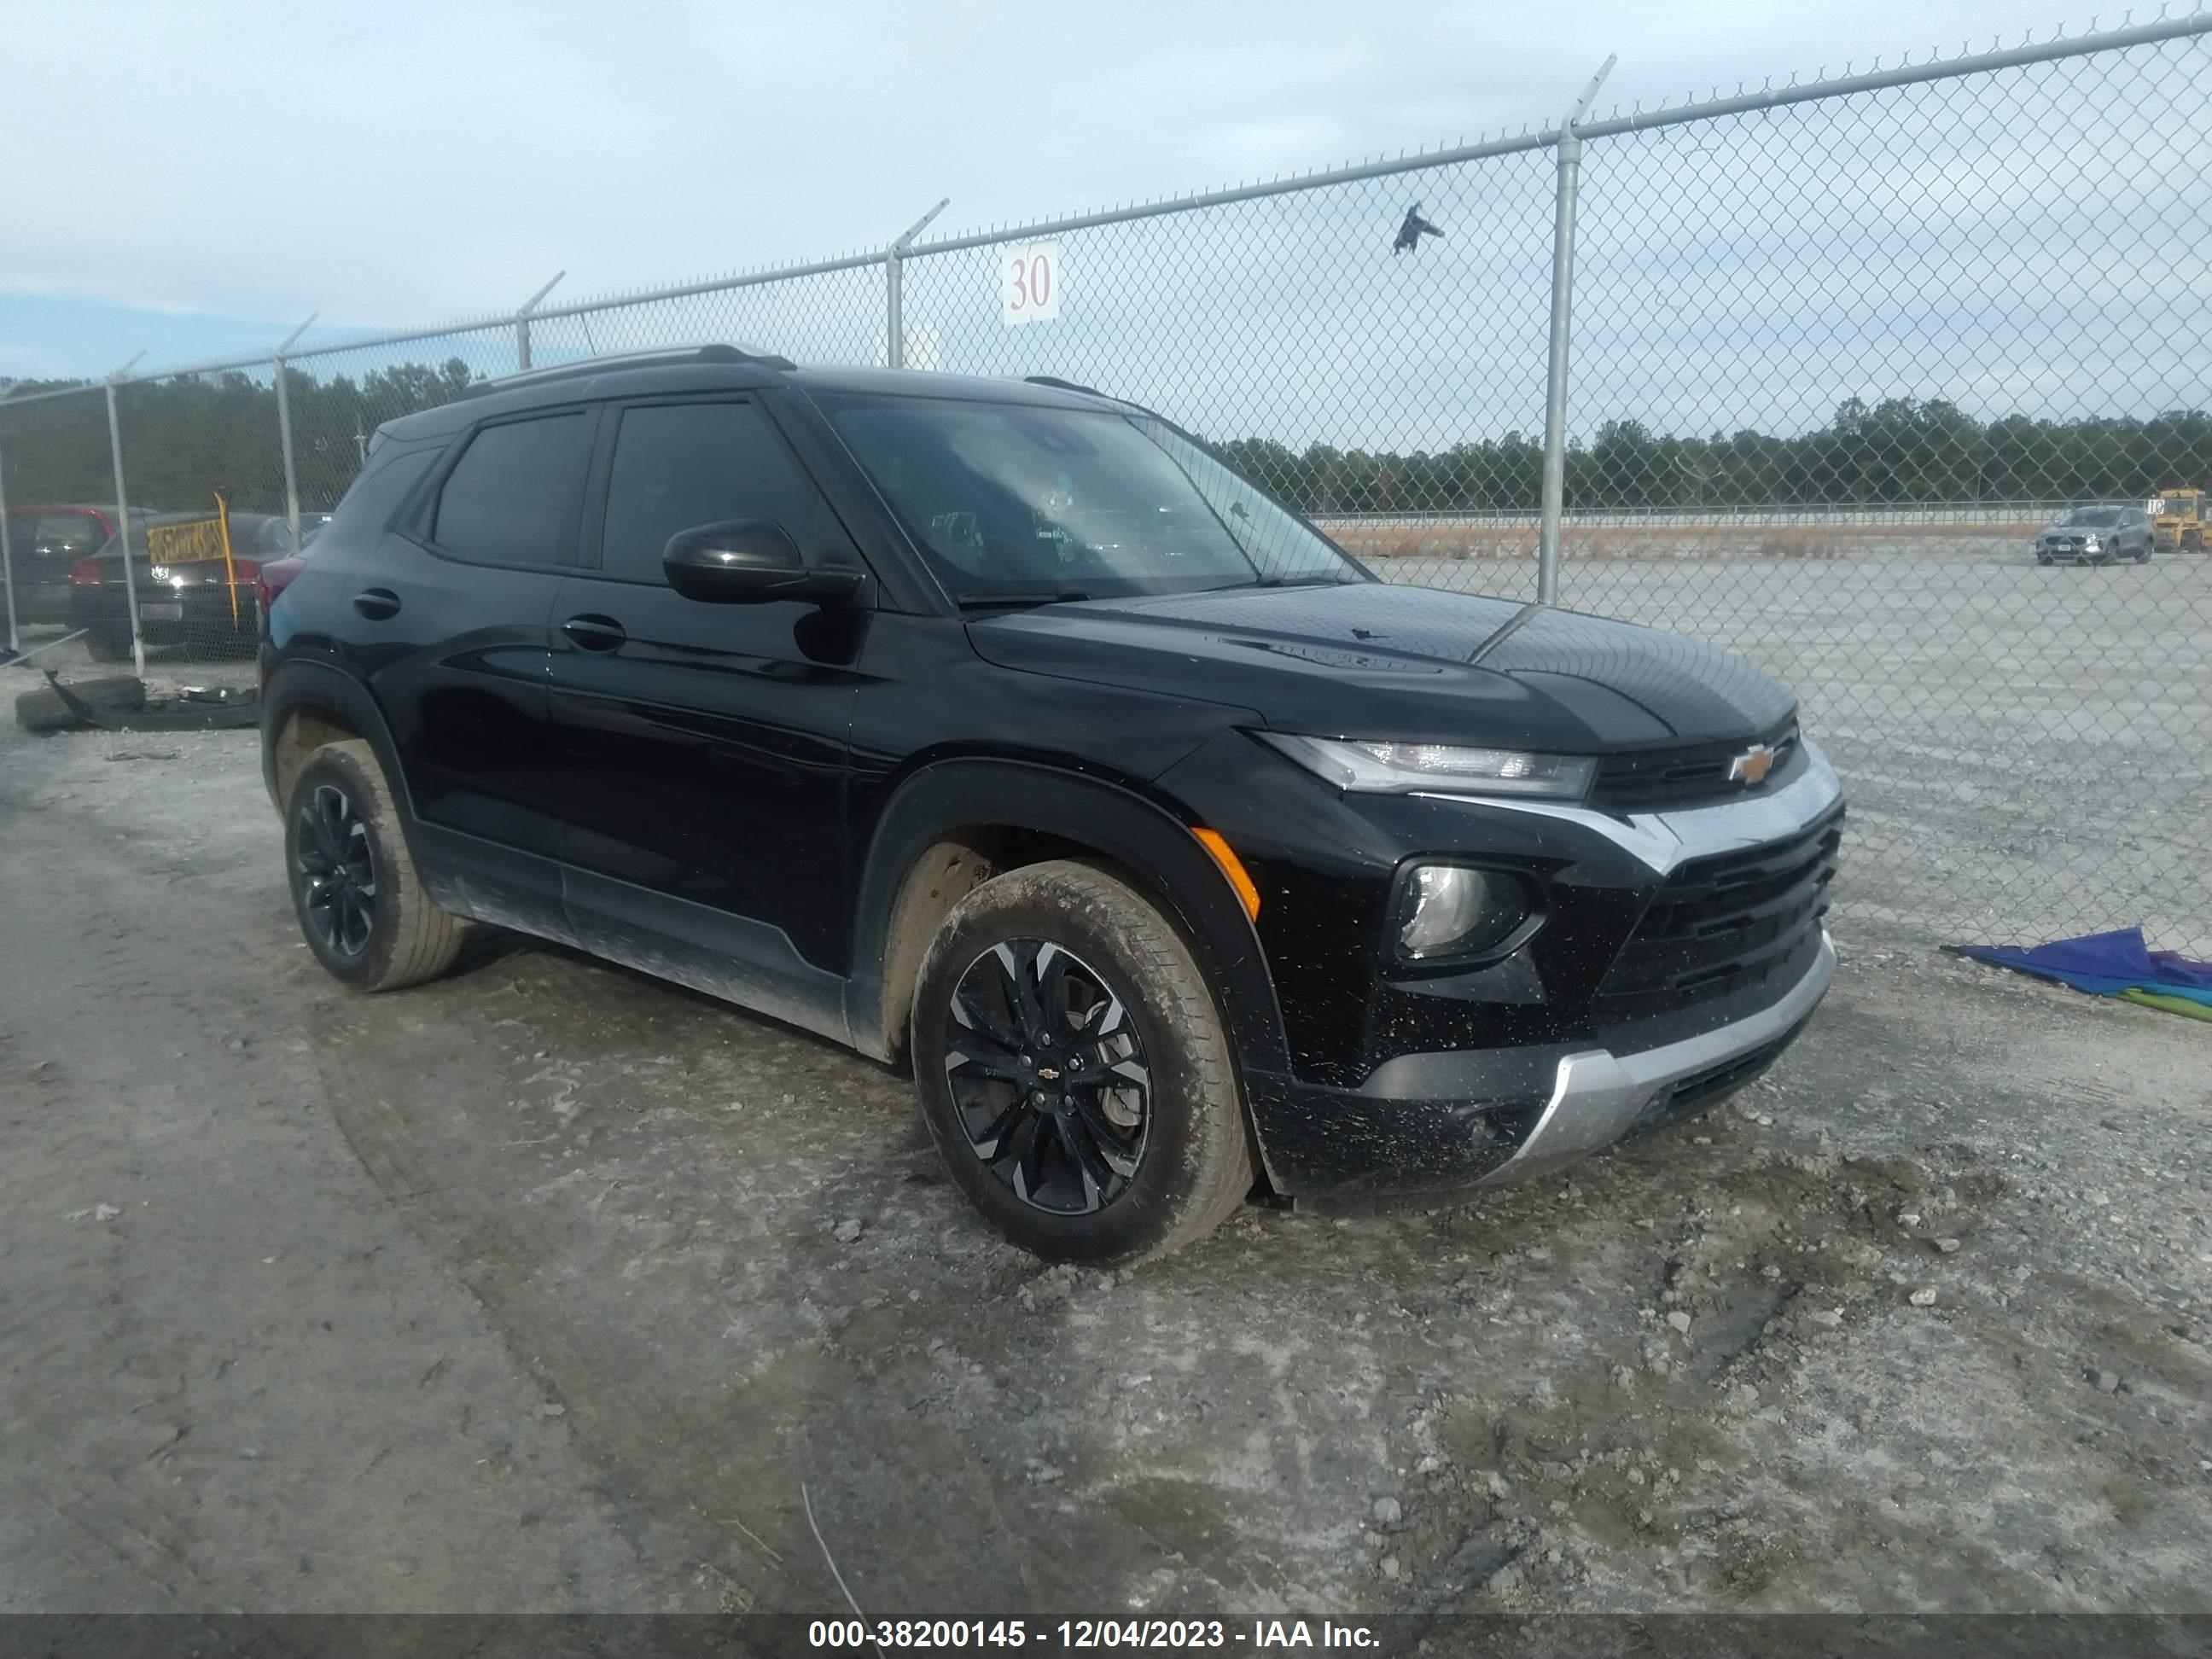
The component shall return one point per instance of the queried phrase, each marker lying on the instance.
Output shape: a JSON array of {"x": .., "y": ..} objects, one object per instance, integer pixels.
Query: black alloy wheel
[
  {"x": 1048, "y": 1076},
  {"x": 336, "y": 863}
]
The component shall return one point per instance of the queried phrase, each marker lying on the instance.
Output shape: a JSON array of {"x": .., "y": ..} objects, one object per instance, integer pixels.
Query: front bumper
[
  {"x": 1599, "y": 1098},
  {"x": 1559, "y": 1107}
]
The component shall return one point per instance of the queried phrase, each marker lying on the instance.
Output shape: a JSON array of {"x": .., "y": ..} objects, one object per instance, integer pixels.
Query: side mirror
[{"x": 749, "y": 562}]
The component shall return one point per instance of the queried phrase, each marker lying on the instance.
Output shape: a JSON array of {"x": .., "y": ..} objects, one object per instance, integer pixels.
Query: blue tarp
[{"x": 2104, "y": 964}]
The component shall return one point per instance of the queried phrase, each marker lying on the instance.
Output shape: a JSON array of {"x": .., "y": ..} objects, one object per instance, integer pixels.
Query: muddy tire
[
  {"x": 1074, "y": 1071},
  {"x": 44, "y": 710},
  {"x": 361, "y": 907}
]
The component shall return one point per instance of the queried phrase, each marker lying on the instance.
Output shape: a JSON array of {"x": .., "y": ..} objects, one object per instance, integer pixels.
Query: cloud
[{"x": 412, "y": 161}]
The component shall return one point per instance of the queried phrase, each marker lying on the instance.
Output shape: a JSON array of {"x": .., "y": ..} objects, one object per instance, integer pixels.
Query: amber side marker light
[{"x": 1233, "y": 867}]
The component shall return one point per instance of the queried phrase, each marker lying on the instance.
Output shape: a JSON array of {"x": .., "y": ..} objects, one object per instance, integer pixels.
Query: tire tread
[
  {"x": 1169, "y": 966},
  {"x": 425, "y": 939}
]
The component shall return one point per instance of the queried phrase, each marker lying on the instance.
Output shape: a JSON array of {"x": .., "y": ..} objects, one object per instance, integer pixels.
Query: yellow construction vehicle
[{"x": 2179, "y": 519}]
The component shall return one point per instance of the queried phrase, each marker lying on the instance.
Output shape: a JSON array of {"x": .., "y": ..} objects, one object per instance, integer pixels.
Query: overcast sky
[{"x": 194, "y": 179}]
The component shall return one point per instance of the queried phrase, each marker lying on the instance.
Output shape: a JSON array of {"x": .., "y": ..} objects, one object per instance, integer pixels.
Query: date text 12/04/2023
[{"x": 1086, "y": 1633}]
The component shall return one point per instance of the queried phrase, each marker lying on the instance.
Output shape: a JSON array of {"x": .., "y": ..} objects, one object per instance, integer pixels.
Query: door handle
[
  {"x": 377, "y": 603},
  {"x": 594, "y": 633}
]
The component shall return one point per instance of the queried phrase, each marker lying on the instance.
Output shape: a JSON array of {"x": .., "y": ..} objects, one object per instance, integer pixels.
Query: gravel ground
[{"x": 549, "y": 1286}]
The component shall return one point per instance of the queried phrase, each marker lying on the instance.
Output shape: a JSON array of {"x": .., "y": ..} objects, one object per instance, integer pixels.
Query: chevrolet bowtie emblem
[
  {"x": 1751, "y": 766},
  {"x": 1048, "y": 1074}
]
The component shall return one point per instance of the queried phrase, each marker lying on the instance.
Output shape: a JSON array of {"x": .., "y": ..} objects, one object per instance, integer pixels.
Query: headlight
[
  {"x": 2090, "y": 544},
  {"x": 1383, "y": 767},
  {"x": 1451, "y": 912},
  {"x": 161, "y": 573}
]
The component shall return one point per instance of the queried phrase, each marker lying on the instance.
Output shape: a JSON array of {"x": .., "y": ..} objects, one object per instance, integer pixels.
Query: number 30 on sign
[{"x": 1029, "y": 282}]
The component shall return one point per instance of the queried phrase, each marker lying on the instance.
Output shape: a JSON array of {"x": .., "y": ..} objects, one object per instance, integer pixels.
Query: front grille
[
  {"x": 1726, "y": 924},
  {"x": 1658, "y": 779}
]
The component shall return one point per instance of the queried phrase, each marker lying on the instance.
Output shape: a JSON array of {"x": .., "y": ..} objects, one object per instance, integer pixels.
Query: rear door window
[{"x": 512, "y": 497}]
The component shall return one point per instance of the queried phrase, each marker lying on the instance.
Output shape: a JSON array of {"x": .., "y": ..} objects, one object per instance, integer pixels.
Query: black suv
[{"x": 999, "y": 728}]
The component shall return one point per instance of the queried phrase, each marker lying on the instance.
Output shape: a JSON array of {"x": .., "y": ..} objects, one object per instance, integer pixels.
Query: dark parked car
[
  {"x": 43, "y": 544},
  {"x": 2095, "y": 535},
  {"x": 197, "y": 600},
  {"x": 997, "y": 727}
]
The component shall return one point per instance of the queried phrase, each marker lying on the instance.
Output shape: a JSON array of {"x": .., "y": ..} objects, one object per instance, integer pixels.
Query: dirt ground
[{"x": 550, "y": 1287}]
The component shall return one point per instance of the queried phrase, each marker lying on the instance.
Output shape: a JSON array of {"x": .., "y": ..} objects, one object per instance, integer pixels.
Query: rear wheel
[
  {"x": 1073, "y": 1069},
  {"x": 360, "y": 904}
]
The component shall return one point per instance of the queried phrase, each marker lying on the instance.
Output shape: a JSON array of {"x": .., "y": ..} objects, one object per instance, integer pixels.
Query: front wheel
[
  {"x": 361, "y": 907},
  {"x": 1073, "y": 1069}
]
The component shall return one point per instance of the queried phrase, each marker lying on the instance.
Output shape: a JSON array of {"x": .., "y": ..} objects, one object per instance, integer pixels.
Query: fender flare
[
  {"x": 1134, "y": 831},
  {"x": 295, "y": 684}
]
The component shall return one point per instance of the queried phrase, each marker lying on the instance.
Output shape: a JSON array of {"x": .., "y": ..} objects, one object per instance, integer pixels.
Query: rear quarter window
[{"x": 382, "y": 487}]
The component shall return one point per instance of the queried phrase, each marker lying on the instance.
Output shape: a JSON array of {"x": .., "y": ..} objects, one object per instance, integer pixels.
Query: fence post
[
  {"x": 1555, "y": 386},
  {"x": 522, "y": 323},
  {"x": 894, "y": 287},
  {"x": 6, "y": 556},
  {"x": 284, "y": 432},
  {"x": 894, "y": 311},
  {"x": 123, "y": 520}
]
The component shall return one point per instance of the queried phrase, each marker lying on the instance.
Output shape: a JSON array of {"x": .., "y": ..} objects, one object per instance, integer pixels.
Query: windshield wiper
[
  {"x": 985, "y": 601},
  {"x": 1296, "y": 581}
]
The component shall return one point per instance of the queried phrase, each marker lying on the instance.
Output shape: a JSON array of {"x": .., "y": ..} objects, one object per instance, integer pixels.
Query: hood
[{"x": 1410, "y": 664}]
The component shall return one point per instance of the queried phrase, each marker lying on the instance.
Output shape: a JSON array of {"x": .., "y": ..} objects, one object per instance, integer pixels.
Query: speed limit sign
[{"x": 1029, "y": 282}]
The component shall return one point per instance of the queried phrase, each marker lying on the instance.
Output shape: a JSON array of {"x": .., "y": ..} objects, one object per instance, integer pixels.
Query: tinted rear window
[
  {"x": 377, "y": 491},
  {"x": 511, "y": 498},
  {"x": 75, "y": 533}
]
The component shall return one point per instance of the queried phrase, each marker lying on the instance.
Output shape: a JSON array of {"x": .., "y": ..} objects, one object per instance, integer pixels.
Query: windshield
[
  {"x": 1012, "y": 501},
  {"x": 2093, "y": 517}
]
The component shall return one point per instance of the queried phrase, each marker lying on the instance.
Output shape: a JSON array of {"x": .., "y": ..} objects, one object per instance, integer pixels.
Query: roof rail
[
  {"x": 676, "y": 358},
  {"x": 1059, "y": 384}
]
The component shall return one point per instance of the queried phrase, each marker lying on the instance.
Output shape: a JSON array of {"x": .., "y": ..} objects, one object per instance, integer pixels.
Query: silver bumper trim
[{"x": 1597, "y": 1095}]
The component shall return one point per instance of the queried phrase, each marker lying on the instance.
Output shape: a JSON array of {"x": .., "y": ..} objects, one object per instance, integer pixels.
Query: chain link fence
[{"x": 1840, "y": 351}]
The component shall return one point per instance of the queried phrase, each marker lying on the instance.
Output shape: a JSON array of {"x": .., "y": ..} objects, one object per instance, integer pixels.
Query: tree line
[
  {"x": 1900, "y": 452},
  {"x": 185, "y": 439}
]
